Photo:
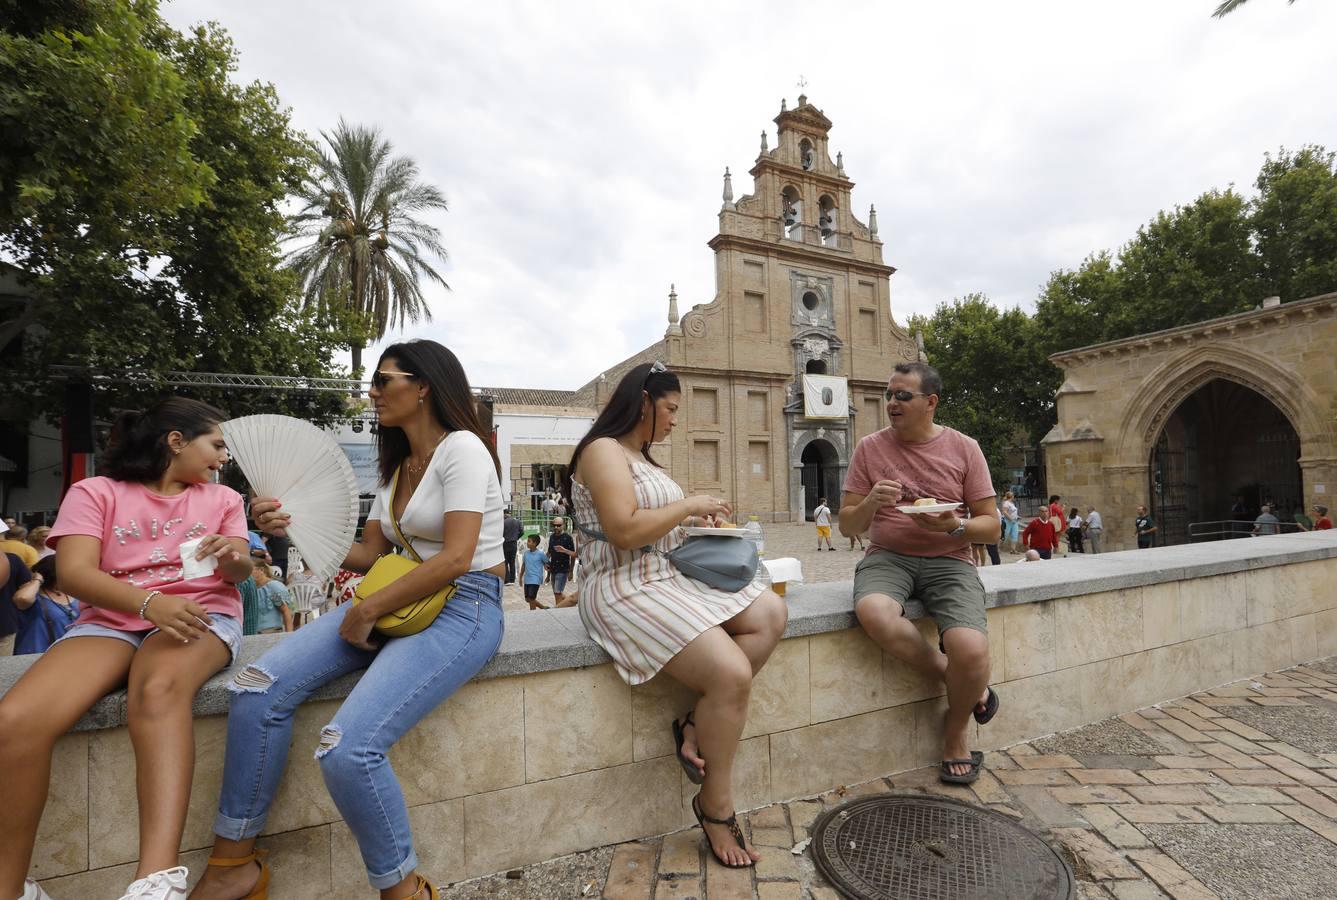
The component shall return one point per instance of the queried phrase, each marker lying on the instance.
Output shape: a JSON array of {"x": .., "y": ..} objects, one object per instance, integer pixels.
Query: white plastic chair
[{"x": 306, "y": 598}]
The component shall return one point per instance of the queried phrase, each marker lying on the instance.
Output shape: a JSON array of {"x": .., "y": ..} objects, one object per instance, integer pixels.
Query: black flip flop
[
  {"x": 732, "y": 822},
  {"x": 679, "y": 735},
  {"x": 984, "y": 716},
  {"x": 976, "y": 762}
]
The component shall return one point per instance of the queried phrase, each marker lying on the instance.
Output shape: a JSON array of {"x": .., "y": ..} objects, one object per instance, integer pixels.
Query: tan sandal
[
  {"x": 424, "y": 885},
  {"x": 261, "y": 889}
]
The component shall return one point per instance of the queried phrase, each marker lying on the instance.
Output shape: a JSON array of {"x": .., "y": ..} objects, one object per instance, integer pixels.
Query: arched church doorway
[
  {"x": 1223, "y": 453},
  {"x": 821, "y": 475}
]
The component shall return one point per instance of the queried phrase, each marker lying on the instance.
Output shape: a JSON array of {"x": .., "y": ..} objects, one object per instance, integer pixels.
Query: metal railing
[
  {"x": 1228, "y": 529},
  {"x": 535, "y": 521}
]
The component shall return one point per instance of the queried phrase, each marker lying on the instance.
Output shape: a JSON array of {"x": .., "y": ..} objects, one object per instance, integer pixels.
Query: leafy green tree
[
  {"x": 1075, "y": 305},
  {"x": 364, "y": 252},
  {"x": 1294, "y": 219},
  {"x": 1188, "y": 265},
  {"x": 141, "y": 192},
  {"x": 997, "y": 384},
  {"x": 94, "y": 158}
]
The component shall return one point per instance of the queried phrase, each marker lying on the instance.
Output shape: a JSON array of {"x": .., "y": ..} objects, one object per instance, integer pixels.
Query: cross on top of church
[{"x": 802, "y": 82}]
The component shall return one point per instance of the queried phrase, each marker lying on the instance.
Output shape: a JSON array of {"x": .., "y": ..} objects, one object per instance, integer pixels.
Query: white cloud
[{"x": 581, "y": 146}]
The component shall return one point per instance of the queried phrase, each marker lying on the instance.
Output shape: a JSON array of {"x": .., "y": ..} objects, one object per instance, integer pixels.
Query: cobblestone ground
[
  {"x": 797, "y": 540},
  {"x": 1230, "y": 793}
]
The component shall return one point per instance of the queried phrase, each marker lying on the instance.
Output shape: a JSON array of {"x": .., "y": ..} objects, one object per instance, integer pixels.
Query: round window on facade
[{"x": 811, "y": 300}]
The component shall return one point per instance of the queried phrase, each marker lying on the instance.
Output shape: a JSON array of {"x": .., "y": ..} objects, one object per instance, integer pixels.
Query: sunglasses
[
  {"x": 903, "y": 396},
  {"x": 379, "y": 378}
]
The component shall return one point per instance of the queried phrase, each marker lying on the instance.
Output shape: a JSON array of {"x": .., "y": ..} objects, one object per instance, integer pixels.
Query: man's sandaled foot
[
  {"x": 972, "y": 768},
  {"x": 986, "y": 709}
]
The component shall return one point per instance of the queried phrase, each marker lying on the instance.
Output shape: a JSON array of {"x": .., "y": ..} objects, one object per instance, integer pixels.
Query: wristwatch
[{"x": 959, "y": 530}]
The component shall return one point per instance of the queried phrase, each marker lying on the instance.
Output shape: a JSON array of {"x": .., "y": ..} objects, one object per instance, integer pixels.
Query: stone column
[
  {"x": 1320, "y": 482},
  {"x": 1126, "y": 488}
]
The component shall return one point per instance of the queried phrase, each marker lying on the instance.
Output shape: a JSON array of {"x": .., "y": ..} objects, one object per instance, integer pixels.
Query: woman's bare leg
[
  {"x": 715, "y": 666},
  {"x": 757, "y": 629},
  {"x": 45, "y": 703},
  {"x": 165, "y": 675}
]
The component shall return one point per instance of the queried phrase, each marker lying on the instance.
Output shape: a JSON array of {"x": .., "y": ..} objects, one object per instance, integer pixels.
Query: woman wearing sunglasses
[
  {"x": 440, "y": 490},
  {"x": 649, "y": 616}
]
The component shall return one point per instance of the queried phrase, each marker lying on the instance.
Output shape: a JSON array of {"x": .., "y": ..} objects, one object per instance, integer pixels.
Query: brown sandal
[
  {"x": 424, "y": 885},
  {"x": 734, "y": 829},
  {"x": 261, "y": 889}
]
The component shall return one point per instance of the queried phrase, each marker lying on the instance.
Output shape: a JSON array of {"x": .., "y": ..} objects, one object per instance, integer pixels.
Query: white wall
[{"x": 532, "y": 428}]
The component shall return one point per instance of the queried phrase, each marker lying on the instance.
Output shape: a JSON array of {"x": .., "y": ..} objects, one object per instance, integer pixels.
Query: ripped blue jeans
[{"x": 405, "y": 680}]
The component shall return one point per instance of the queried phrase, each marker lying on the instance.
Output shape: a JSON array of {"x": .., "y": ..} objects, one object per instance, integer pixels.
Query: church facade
[{"x": 784, "y": 369}]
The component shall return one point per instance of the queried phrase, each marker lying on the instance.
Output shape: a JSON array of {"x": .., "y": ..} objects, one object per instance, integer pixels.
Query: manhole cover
[{"x": 934, "y": 848}]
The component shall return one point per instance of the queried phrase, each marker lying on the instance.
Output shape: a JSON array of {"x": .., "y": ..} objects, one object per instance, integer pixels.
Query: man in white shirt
[
  {"x": 821, "y": 517},
  {"x": 1093, "y": 527}
]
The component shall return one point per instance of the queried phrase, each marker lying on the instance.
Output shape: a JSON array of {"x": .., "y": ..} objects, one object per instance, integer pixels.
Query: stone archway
[
  {"x": 1220, "y": 454},
  {"x": 1123, "y": 399},
  {"x": 1162, "y": 391},
  {"x": 820, "y": 475}
]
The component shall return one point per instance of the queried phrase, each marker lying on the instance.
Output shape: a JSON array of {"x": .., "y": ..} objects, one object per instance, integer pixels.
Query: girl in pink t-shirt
[{"x": 145, "y": 625}]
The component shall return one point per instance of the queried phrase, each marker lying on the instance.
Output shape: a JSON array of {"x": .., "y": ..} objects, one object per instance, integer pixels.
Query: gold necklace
[{"x": 419, "y": 467}]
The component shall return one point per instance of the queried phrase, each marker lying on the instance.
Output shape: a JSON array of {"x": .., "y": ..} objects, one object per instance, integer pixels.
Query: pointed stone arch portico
[{"x": 1130, "y": 414}]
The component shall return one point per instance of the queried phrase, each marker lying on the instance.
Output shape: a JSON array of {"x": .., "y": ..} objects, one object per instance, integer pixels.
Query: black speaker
[{"x": 79, "y": 417}]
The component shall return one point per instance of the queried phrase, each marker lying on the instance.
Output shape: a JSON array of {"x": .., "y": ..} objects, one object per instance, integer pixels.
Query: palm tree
[
  {"x": 364, "y": 253},
  {"x": 1229, "y": 6}
]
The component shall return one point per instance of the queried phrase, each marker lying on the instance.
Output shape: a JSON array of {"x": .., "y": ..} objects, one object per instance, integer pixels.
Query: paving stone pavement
[{"x": 1210, "y": 796}]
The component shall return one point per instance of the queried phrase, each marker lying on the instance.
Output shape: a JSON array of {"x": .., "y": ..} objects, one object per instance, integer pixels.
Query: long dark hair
[
  {"x": 622, "y": 413},
  {"x": 46, "y": 567},
  {"x": 138, "y": 448},
  {"x": 452, "y": 401}
]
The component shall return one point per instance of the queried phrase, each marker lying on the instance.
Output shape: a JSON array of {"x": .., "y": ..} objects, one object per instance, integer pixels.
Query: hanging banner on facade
[{"x": 825, "y": 397}]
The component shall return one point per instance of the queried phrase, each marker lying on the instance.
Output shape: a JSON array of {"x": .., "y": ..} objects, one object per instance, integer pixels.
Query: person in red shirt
[
  {"x": 1322, "y": 523},
  {"x": 1041, "y": 535},
  {"x": 1056, "y": 513}
]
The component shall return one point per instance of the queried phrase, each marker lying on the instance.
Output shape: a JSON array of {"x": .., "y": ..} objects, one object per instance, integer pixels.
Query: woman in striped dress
[{"x": 651, "y": 617}]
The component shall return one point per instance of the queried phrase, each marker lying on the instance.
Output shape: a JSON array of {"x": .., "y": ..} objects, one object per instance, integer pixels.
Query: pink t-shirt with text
[
  {"x": 141, "y": 532},
  {"x": 949, "y": 468}
]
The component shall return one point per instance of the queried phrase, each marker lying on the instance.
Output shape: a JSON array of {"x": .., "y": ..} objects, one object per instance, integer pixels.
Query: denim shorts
[
  {"x": 559, "y": 582},
  {"x": 227, "y": 628}
]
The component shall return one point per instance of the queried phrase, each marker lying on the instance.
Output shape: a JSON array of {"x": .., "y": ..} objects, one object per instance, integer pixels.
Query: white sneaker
[
  {"x": 169, "y": 884},
  {"x": 33, "y": 891}
]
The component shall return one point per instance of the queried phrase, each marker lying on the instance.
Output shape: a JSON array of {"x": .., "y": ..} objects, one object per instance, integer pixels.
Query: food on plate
[
  {"x": 725, "y": 525},
  {"x": 926, "y": 501}
]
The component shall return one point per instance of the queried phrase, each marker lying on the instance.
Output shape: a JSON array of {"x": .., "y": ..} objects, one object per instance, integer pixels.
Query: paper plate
[
  {"x": 935, "y": 508},
  {"x": 716, "y": 532}
]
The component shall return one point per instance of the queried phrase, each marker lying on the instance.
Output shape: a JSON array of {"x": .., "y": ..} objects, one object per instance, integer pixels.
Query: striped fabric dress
[{"x": 637, "y": 606}]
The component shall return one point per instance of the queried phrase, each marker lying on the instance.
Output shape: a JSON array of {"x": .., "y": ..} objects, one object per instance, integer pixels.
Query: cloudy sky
[{"x": 581, "y": 145}]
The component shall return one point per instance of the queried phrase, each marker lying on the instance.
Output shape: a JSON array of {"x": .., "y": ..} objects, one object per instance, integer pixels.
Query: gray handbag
[{"x": 724, "y": 564}]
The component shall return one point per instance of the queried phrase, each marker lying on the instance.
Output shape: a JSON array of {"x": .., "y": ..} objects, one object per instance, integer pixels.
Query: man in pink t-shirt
[{"x": 926, "y": 556}]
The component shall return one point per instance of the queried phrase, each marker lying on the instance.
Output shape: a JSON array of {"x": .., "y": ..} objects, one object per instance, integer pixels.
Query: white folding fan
[{"x": 303, "y": 467}]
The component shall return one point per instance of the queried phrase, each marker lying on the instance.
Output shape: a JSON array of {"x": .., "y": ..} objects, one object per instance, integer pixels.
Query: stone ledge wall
[{"x": 526, "y": 766}]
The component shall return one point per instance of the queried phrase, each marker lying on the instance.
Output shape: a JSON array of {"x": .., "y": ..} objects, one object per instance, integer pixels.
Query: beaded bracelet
[{"x": 145, "y": 605}]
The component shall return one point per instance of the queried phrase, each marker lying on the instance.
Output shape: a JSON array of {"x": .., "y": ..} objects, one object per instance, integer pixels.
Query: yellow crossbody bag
[{"x": 412, "y": 617}]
